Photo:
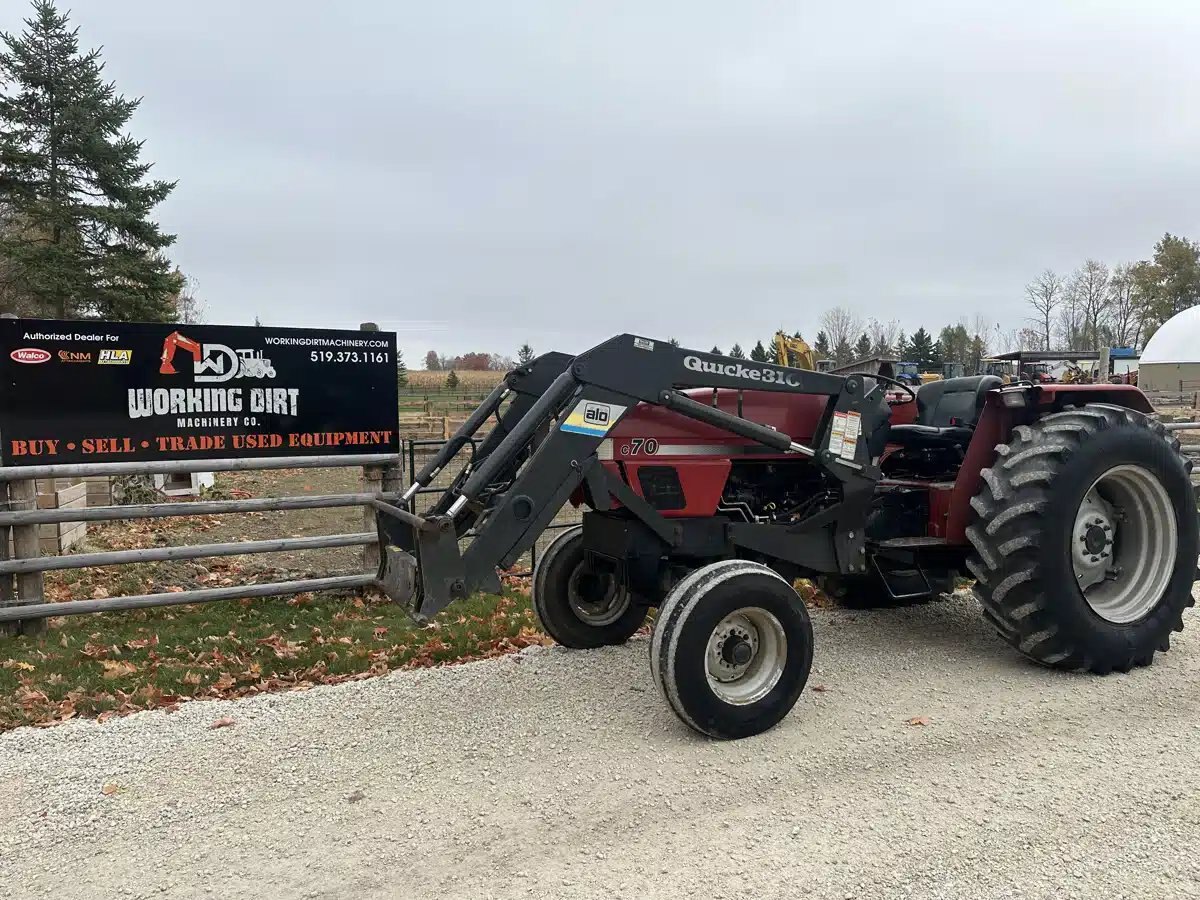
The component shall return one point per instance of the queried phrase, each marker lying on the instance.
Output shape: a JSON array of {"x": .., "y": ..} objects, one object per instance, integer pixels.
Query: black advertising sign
[{"x": 114, "y": 391}]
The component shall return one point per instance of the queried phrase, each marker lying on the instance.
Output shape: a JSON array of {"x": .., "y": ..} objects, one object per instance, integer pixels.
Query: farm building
[{"x": 1171, "y": 360}]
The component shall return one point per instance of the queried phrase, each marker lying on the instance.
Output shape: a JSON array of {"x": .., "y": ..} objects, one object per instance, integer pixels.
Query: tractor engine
[
  {"x": 774, "y": 490},
  {"x": 685, "y": 468}
]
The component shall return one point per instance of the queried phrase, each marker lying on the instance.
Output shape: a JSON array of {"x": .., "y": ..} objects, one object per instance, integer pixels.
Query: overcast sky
[{"x": 476, "y": 175}]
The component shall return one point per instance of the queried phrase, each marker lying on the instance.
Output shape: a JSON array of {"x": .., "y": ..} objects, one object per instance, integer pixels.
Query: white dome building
[{"x": 1171, "y": 360}]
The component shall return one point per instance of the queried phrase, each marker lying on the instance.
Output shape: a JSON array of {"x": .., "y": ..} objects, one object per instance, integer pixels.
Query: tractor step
[{"x": 911, "y": 543}]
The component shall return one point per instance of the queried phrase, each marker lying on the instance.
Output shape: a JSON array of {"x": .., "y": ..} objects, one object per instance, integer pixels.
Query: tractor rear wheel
[
  {"x": 1085, "y": 543},
  {"x": 871, "y": 591},
  {"x": 576, "y": 606},
  {"x": 732, "y": 649}
]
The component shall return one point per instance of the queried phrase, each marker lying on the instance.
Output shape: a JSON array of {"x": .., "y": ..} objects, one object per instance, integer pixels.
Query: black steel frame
[{"x": 540, "y": 451}]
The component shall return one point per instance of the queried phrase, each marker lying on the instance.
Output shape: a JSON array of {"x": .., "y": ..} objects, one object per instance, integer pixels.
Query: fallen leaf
[
  {"x": 99, "y": 594},
  {"x": 379, "y": 632},
  {"x": 117, "y": 668},
  {"x": 820, "y": 688},
  {"x": 223, "y": 722},
  {"x": 110, "y": 788},
  {"x": 22, "y": 666},
  {"x": 918, "y": 720}
]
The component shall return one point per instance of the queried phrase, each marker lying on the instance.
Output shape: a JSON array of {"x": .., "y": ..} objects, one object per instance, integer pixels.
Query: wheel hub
[
  {"x": 1124, "y": 544},
  {"x": 731, "y": 648},
  {"x": 596, "y": 598},
  {"x": 737, "y": 651},
  {"x": 746, "y": 654},
  {"x": 1095, "y": 535}
]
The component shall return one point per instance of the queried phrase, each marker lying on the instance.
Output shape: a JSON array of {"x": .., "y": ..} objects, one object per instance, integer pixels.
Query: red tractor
[{"x": 710, "y": 484}]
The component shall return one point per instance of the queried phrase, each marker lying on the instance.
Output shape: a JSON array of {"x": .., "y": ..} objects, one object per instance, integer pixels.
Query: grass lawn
[{"x": 113, "y": 663}]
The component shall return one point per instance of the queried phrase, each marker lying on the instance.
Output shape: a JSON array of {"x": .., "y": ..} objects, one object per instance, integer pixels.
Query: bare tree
[
  {"x": 1126, "y": 306},
  {"x": 1089, "y": 294},
  {"x": 1070, "y": 323},
  {"x": 843, "y": 326},
  {"x": 189, "y": 308},
  {"x": 1044, "y": 294},
  {"x": 883, "y": 336}
]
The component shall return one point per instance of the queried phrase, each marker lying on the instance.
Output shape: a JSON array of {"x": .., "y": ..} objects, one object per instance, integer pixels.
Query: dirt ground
[{"x": 559, "y": 774}]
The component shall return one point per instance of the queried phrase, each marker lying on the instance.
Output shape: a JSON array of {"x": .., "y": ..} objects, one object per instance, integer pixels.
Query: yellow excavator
[{"x": 794, "y": 352}]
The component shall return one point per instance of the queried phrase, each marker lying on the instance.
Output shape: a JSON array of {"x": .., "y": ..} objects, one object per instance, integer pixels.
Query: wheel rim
[
  {"x": 1123, "y": 544},
  {"x": 745, "y": 657},
  {"x": 593, "y": 607}
]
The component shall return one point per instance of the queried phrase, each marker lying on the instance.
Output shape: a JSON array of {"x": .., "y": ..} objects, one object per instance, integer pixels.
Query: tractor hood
[{"x": 796, "y": 415}]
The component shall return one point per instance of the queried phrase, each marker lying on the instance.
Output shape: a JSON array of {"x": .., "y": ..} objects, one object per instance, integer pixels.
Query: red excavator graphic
[
  {"x": 173, "y": 342},
  {"x": 223, "y": 362}
]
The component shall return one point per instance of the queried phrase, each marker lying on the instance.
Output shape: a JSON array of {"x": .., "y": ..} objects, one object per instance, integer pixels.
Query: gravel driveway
[{"x": 562, "y": 774}]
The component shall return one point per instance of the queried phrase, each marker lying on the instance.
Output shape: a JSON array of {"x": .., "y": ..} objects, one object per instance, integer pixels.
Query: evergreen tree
[
  {"x": 716, "y": 350},
  {"x": 902, "y": 351},
  {"x": 433, "y": 361},
  {"x": 978, "y": 352},
  {"x": 452, "y": 380},
  {"x": 863, "y": 348},
  {"x": 842, "y": 352},
  {"x": 525, "y": 355},
  {"x": 737, "y": 352},
  {"x": 80, "y": 241},
  {"x": 401, "y": 369},
  {"x": 955, "y": 344},
  {"x": 821, "y": 345},
  {"x": 759, "y": 352},
  {"x": 921, "y": 350}
]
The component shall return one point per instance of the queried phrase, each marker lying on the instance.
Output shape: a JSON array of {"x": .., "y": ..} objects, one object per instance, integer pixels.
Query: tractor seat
[{"x": 946, "y": 412}]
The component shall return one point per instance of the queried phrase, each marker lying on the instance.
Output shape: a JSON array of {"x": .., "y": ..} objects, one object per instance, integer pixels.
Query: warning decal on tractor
[
  {"x": 853, "y": 430},
  {"x": 837, "y": 434},
  {"x": 843, "y": 434},
  {"x": 592, "y": 418}
]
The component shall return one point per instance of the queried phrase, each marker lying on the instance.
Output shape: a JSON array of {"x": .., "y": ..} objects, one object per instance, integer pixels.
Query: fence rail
[
  {"x": 25, "y": 606},
  {"x": 382, "y": 480}
]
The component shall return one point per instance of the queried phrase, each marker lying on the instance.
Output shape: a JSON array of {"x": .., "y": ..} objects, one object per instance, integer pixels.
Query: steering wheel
[{"x": 912, "y": 395}]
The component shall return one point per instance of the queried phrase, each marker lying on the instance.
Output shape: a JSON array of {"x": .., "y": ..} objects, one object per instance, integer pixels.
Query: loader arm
[{"x": 556, "y": 433}]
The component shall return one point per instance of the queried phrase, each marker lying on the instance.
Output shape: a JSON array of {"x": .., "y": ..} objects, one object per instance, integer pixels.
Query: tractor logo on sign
[{"x": 214, "y": 362}]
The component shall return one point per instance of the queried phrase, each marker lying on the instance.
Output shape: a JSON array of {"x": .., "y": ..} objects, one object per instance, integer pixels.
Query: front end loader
[{"x": 710, "y": 484}]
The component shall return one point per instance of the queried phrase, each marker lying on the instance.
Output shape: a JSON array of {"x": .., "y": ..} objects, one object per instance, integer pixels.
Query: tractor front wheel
[
  {"x": 578, "y": 607},
  {"x": 1086, "y": 539},
  {"x": 732, "y": 649}
]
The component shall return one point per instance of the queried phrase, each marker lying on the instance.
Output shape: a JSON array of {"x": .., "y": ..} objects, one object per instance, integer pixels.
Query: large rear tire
[
  {"x": 732, "y": 649},
  {"x": 1085, "y": 543},
  {"x": 578, "y": 608}
]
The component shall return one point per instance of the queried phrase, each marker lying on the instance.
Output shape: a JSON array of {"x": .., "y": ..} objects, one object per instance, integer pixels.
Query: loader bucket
[{"x": 420, "y": 566}]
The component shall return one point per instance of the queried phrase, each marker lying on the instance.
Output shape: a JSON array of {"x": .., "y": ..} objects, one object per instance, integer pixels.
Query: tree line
[
  {"x": 1112, "y": 306},
  {"x": 1094, "y": 307},
  {"x": 77, "y": 237}
]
